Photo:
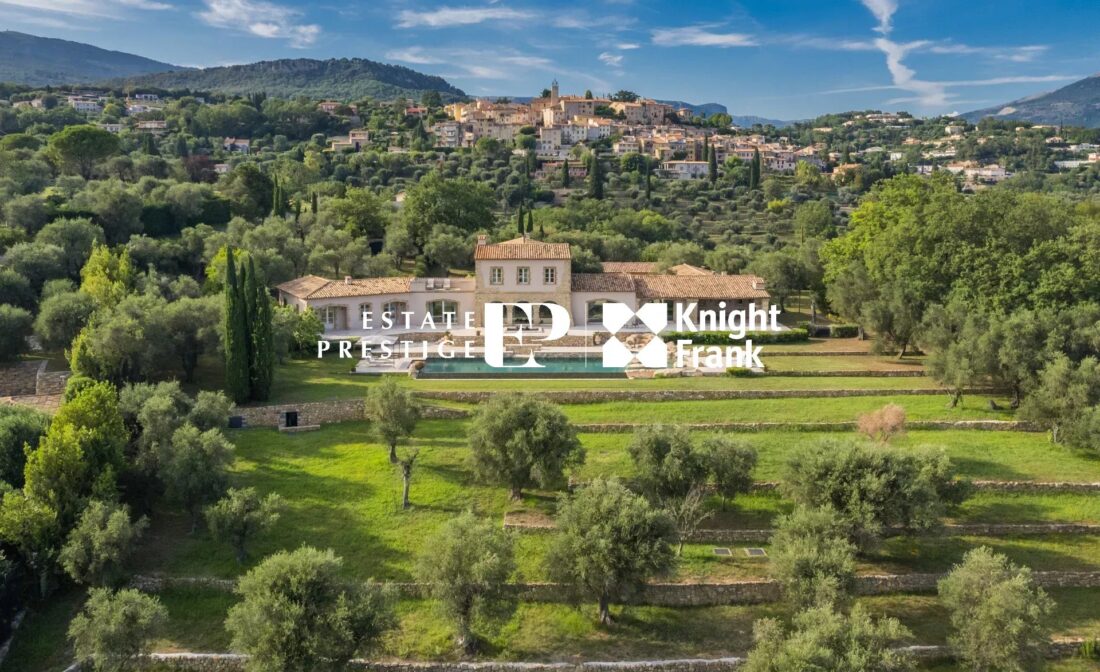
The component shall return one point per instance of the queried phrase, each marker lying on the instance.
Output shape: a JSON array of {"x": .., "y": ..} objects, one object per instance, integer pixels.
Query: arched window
[
  {"x": 442, "y": 310},
  {"x": 544, "y": 312}
]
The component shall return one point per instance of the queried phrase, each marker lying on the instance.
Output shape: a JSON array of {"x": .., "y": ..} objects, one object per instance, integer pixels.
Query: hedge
[
  {"x": 844, "y": 330},
  {"x": 723, "y": 337}
]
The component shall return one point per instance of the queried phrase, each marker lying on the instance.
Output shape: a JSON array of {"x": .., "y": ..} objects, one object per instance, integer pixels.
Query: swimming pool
[{"x": 552, "y": 367}]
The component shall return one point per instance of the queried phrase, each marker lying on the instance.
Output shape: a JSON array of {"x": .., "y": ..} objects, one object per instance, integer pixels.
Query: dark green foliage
[
  {"x": 297, "y": 613},
  {"x": 812, "y": 557},
  {"x": 873, "y": 488},
  {"x": 609, "y": 541},
  {"x": 102, "y": 540},
  {"x": 523, "y": 442},
  {"x": 1001, "y": 619},
  {"x": 261, "y": 354},
  {"x": 237, "y": 356},
  {"x": 15, "y": 327},
  {"x": 116, "y": 628},
  {"x": 19, "y": 427},
  {"x": 667, "y": 462}
]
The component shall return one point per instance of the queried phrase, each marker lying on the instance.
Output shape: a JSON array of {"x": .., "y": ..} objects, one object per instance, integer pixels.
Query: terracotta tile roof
[
  {"x": 700, "y": 287},
  {"x": 522, "y": 248},
  {"x": 314, "y": 287},
  {"x": 688, "y": 269},
  {"x": 602, "y": 282},
  {"x": 629, "y": 267}
]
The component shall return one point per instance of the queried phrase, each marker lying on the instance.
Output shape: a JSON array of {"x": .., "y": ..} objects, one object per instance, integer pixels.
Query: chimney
[
  {"x": 347, "y": 279},
  {"x": 482, "y": 239},
  {"x": 758, "y": 283}
]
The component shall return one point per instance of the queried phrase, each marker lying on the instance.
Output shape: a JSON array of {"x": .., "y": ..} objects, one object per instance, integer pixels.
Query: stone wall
[
  {"x": 991, "y": 425},
  {"x": 845, "y": 374},
  {"x": 324, "y": 412},
  {"x": 20, "y": 378},
  {"x": 650, "y": 395},
  {"x": 745, "y": 591}
]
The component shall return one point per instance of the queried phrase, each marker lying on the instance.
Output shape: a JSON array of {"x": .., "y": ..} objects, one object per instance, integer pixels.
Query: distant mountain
[
  {"x": 338, "y": 78},
  {"x": 707, "y": 109},
  {"x": 748, "y": 121},
  {"x": 1075, "y": 105},
  {"x": 38, "y": 61}
]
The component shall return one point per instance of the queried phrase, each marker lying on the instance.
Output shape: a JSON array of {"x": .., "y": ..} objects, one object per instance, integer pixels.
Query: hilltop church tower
[{"x": 554, "y": 92}]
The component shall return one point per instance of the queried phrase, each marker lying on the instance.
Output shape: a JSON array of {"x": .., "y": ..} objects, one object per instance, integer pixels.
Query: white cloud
[
  {"x": 1023, "y": 54},
  {"x": 700, "y": 36},
  {"x": 90, "y": 8},
  {"x": 261, "y": 18},
  {"x": 626, "y": 46},
  {"x": 613, "y": 60},
  {"x": 884, "y": 12},
  {"x": 458, "y": 16},
  {"x": 413, "y": 55},
  {"x": 931, "y": 94}
]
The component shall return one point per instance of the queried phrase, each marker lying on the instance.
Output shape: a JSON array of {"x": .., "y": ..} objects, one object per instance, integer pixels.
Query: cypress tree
[
  {"x": 530, "y": 222},
  {"x": 595, "y": 178},
  {"x": 648, "y": 181},
  {"x": 565, "y": 173},
  {"x": 313, "y": 203},
  {"x": 261, "y": 365},
  {"x": 712, "y": 165},
  {"x": 236, "y": 334},
  {"x": 754, "y": 170},
  {"x": 181, "y": 146},
  {"x": 519, "y": 219}
]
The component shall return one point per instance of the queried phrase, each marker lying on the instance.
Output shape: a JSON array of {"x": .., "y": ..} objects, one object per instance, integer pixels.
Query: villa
[{"x": 518, "y": 270}]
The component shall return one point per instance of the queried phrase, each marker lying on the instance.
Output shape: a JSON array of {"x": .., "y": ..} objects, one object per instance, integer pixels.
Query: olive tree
[
  {"x": 116, "y": 628},
  {"x": 297, "y": 614},
  {"x": 609, "y": 541},
  {"x": 193, "y": 466},
  {"x": 466, "y": 566},
  {"x": 811, "y": 556},
  {"x": 822, "y": 638},
  {"x": 393, "y": 411},
  {"x": 102, "y": 540},
  {"x": 730, "y": 462},
  {"x": 668, "y": 464},
  {"x": 241, "y": 515},
  {"x": 523, "y": 442},
  {"x": 1001, "y": 619}
]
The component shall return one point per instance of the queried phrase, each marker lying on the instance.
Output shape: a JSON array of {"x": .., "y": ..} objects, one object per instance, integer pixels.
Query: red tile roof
[
  {"x": 314, "y": 287},
  {"x": 602, "y": 282},
  {"x": 700, "y": 287},
  {"x": 629, "y": 267},
  {"x": 523, "y": 248}
]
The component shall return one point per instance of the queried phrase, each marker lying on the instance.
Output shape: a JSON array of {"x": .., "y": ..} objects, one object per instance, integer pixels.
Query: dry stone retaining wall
[
  {"x": 748, "y": 591},
  {"x": 599, "y": 396},
  {"x": 990, "y": 425},
  {"x": 323, "y": 412}
]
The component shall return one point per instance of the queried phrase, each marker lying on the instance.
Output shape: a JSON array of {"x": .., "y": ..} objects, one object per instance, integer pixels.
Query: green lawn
[
  {"x": 331, "y": 378},
  {"x": 777, "y": 362},
  {"x": 541, "y": 632},
  {"x": 977, "y": 454},
  {"x": 823, "y": 409},
  {"x": 342, "y": 493}
]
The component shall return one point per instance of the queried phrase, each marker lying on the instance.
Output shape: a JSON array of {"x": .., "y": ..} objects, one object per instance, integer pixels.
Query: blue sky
[{"x": 777, "y": 58}]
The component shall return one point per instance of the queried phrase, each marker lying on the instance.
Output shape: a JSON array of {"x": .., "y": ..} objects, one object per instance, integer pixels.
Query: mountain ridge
[
  {"x": 46, "y": 61},
  {"x": 1076, "y": 104}
]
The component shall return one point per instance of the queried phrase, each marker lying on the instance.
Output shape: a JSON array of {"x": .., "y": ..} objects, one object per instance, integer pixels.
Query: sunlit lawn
[{"x": 542, "y": 632}]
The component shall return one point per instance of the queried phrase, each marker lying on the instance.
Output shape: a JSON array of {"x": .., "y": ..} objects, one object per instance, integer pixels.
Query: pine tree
[
  {"x": 530, "y": 222},
  {"x": 565, "y": 174},
  {"x": 712, "y": 165},
  {"x": 261, "y": 365},
  {"x": 236, "y": 334}
]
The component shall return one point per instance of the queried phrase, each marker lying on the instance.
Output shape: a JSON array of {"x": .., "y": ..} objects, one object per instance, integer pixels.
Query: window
[
  {"x": 523, "y": 275},
  {"x": 328, "y": 314},
  {"x": 496, "y": 275},
  {"x": 364, "y": 314},
  {"x": 395, "y": 308},
  {"x": 442, "y": 310},
  {"x": 549, "y": 275},
  {"x": 595, "y": 311}
]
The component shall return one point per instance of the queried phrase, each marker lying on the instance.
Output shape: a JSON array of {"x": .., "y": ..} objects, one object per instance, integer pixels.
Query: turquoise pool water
[{"x": 552, "y": 367}]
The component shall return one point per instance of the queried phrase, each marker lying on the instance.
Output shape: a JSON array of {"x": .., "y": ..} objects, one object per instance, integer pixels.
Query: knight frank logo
[{"x": 654, "y": 354}]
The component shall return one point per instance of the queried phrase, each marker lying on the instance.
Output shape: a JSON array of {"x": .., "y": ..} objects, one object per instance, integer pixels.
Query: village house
[
  {"x": 685, "y": 170},
  {"x": 154, "y": 126},
  {"x": 238, "y": 145},
  {"x": 354, "y": 140},
  {"x": 518, "y": 270}
]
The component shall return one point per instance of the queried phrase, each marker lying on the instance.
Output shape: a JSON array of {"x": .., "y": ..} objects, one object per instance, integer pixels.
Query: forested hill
[
  {"x": 337, "y": 78},
  {"x": 1075, "y": 105},
  {"x": 38, "y": 61}
]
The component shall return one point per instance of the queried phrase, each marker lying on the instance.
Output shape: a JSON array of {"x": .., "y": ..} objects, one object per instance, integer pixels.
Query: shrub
[
  {"x": 115, "y": 629},
  {"x": 240, "y": 515},
  {"x": 723, "y": 337},
  {"x": 843, "y": 330},
  {"x": 883, "y": 424},
  {"x": 100, "y": 543},
  {"x": 811, "y": 556},
  {"x": 1001, "y": 619}
]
